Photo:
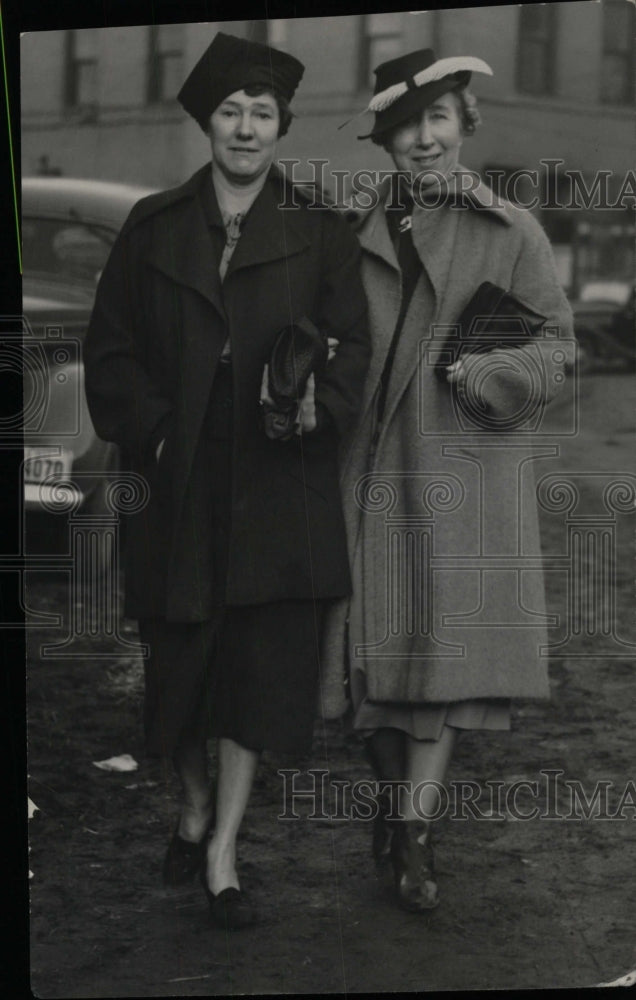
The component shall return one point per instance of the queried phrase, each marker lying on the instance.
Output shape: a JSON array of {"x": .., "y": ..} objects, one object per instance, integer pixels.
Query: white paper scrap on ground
[
  {"x": 122, "y": 763},
  {"x": 32, "y": 808}
]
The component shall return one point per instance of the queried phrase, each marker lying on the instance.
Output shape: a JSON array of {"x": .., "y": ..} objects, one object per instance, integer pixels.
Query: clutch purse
[
  {"x": 298, "y": 351},
  {"x": 493, "y": 318}
]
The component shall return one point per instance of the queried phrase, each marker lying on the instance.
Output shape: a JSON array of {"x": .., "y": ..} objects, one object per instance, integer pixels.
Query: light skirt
[{"x": 425, "y": 721}]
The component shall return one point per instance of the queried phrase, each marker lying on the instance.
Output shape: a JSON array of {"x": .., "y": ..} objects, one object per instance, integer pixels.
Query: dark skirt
[{"x": 247, "y": 673}]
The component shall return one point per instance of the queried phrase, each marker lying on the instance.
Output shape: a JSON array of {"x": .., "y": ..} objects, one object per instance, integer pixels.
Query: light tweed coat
[{"x": 448, "y": 600}]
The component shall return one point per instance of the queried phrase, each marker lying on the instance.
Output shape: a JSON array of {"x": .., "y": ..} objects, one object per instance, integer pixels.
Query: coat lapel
[
  {"x": 269, "y": 232},
  {"x": 186, "y": 254},
  {"x": 381, "y": 271},
  {"x": 434, "y": 234},
  {"x": 374, "y": 235},
  {"x": 437, "y": 238},
  {"x": 434, "y": 238}
]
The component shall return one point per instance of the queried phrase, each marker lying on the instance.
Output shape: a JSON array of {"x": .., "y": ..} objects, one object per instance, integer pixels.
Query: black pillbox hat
[{"x": 230, "y": 64}]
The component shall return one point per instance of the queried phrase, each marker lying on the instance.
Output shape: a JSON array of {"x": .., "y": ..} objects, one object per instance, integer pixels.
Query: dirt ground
[{"x": 536, "y": 903}]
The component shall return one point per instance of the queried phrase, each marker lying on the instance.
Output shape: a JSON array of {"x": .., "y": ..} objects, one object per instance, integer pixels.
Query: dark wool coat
[
  {"x": 448, "y": 597},
  {"x": 159, "y": 324}
]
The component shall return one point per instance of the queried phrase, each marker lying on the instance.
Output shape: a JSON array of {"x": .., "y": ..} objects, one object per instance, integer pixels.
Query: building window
[
  {"x": 81, "y": 69},
  {"x": 257, "y": 31},
  {"x": 536, "y": 54},
  {"x": 165, "y": 62},
  {"x": 382, "y": 39},
  {"x": 277, "y": 32},
  {"x": 617, "y": 66},
  {"x": 272, "y": 32}
]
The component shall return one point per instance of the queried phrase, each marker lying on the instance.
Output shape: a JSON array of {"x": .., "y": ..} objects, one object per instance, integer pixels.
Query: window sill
[
  {"x": 87, "y": 115},
  {"x": 550, "y": 102}
]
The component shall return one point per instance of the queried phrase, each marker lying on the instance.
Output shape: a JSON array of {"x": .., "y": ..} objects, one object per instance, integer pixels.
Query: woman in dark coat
[
  {"x": 242, "y": 542},
  {"x": 447, "y": 619}
]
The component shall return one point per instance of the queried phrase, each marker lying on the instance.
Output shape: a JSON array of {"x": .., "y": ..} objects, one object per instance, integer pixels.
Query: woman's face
[
  {"x": 429, "y": 142},
  {"x": 243, "y": 133}
]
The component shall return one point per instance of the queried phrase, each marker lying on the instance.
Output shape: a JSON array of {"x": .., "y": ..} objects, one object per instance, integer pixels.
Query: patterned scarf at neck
[{"x": 232, "y": 225}]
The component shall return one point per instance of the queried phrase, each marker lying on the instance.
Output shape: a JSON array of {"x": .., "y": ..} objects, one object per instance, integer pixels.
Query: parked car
[
  {"x": 604, "y": 325},
  {"x": 68, "y": 228}
]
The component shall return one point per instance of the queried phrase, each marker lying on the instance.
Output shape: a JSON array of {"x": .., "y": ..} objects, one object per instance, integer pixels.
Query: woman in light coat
[{"x": 447, "y": 619}]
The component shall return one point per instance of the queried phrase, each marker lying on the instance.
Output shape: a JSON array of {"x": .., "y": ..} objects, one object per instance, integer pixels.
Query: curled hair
[
  {"x": 468, "y": 111},
  {"x": 285, "y": 115},
  {"x": 469, "y": 117}
]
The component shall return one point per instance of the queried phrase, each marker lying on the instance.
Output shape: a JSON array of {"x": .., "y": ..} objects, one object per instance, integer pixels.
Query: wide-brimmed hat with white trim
[{"x": 410, "y": 83}]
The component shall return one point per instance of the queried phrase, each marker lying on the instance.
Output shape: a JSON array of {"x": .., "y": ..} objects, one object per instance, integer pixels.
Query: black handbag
[
  {"x": 493, "y": 318},
  {"x": 298, "y": 351}
]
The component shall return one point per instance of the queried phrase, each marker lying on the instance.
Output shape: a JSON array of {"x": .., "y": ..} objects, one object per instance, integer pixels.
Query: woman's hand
[
  {"x": 265, "y": 396},
  {"x": 306, "y": 419},
  {"x": 458, "y": 371},
  {"x": 488, "y": 382}
]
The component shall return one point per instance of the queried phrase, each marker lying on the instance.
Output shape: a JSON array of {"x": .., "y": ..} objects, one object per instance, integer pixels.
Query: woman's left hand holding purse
[{"x": 306, "y": 421}]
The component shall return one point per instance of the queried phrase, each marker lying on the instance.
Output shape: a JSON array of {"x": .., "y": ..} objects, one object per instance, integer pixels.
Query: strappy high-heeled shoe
[{"x": 413, "y": 865}]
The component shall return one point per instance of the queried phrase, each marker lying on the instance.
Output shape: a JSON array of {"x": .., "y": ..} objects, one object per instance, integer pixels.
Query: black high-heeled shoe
[
  {"x": 184, "y": 858},
  {"x": 413, "y": 865},
  {"x": 229, "y": 908}
]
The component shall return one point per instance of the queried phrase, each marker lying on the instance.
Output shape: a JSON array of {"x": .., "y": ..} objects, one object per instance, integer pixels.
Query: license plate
[{"x": 40, "y": 463}]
